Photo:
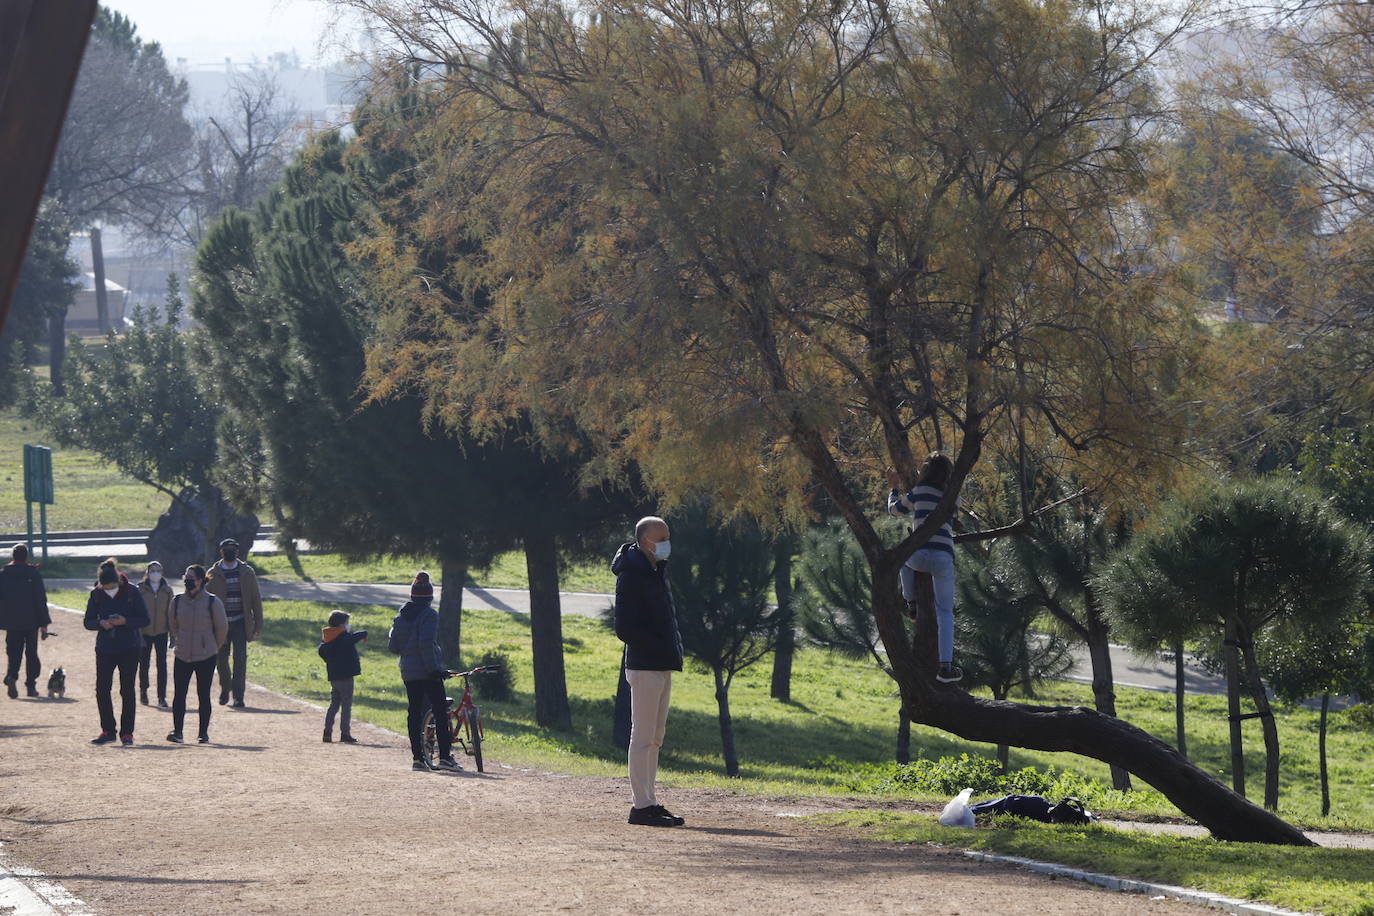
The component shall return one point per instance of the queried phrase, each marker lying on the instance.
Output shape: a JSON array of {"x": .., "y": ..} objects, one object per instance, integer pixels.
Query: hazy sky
[{"x": 207, "y": 31}]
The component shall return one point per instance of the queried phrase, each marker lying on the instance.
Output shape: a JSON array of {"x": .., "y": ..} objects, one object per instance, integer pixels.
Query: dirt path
[{"x": 270, "y": 820}]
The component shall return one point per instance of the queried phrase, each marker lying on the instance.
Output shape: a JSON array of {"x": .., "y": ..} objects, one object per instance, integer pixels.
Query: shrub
[{"x": 496, "y": 685}]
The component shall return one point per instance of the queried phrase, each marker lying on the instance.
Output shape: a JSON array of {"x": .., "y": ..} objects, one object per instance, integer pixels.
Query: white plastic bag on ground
[{"x": 957, "y": 813}]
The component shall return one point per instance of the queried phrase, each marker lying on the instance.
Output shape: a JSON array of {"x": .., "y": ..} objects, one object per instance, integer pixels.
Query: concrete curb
[
  {"x": 27, "y": 892},
  {"x": 1132, "y": 886}
]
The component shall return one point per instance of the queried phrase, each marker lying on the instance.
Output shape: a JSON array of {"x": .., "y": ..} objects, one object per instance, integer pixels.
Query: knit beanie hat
[{"x": 421, "y": 588}]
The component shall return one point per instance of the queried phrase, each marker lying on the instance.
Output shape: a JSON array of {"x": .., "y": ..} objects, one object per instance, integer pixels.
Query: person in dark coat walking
[
  {"x": 23, "y": 617},
  {"x": 414, "y": 637},
  {"x": 339, "y": 649},
  {"x": 646, "y": 622},
  {"x": 115, "y": 611}
]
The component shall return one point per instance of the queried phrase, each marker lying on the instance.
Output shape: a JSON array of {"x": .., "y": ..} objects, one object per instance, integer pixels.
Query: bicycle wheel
[
  {"x": 474, "y": 730},
  {"x": 431, "y": 738}
]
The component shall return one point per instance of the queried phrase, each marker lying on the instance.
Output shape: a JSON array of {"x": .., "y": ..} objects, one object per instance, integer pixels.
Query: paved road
[{"x": 1128, "y": 669}]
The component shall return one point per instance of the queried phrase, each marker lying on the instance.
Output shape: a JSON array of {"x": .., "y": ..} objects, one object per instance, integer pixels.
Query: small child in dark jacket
[{"x": 339, "y": 649}]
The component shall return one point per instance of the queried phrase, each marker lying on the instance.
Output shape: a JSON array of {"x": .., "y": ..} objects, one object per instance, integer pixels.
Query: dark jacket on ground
[
  {"x": 339, "y": 649},
  {"x": 127, "y": 603},
  {"x": 645, "y": 619},
  {"x": 23, "y": 599},
  {"x": 415, "y": 637}
]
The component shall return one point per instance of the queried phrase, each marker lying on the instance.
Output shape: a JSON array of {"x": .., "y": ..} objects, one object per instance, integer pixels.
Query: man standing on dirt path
[
  {"x": 235, "y": 583},
  {"x": 23, "y": 615},
  {"x": 646, "y": 622}
]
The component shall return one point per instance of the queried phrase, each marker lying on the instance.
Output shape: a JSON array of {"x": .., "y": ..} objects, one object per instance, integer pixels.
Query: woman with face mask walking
[
  {"x": 115, "y": 611},
  {"x": 157, "y": 598},
  {"x": 199, "y": 627}
]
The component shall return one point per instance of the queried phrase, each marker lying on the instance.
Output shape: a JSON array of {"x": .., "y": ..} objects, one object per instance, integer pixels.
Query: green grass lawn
[
  {"x": 1334, "y": 881},
  {"x": 507, "y": 571},
  {"x": 89, "y": 492},
  {"x": 837, "y": 736}
]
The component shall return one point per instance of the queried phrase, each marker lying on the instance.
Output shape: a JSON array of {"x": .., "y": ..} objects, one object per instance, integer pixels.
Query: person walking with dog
[
  {"x": 235, "y": 583},
  {"x": 115, "y": 611},
  {"x": 157, "y": 594},
  {"x": 646, "y": 621},
  {"x": 198, "y": 627},
  {"x": 24, "y": 618}
]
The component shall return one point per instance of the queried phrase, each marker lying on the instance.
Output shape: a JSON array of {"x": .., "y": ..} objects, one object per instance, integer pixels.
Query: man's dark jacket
[
  {"x": 645, "y": 619},
  {"x": 23, "y": 599}
]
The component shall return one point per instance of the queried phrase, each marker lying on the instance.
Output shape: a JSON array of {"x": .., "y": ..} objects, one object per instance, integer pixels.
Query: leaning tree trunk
[
  {"x": 546, "y": 633},
  {"x": 1075, "y": 729},
  {"x": 785, "y": 648},
  {"x": 213, "y": 498},
  {"x": 620, "y": 725},
  {"x": 1321, "y": 755},
  {"x": 1265, "y": 713},
  {"x": 1104, "y": 685},
  {"x": 453, "y": 575},
  {"x": 727, "y": 725},
  {"x": 1003, "y": 752},
  {"x": 1182, "y": 738},
  {"x": 903, "y": 736},
  {"x": 1231, "y": 656}
]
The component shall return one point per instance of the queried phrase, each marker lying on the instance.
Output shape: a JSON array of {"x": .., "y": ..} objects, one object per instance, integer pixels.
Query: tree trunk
[
  {"x": 546, "y": 633},
  {"x": 1182, "y": 738},
  {"x": 1104, "y": 685},
  {"x": 1231, "y": 656},
  {"x": 620, "y": 727},
  {"x": 287, "y": 544},
  {"x": 213, "y": 498},
  {"x": 1074, "y": 729},
  {"x": 102, "y": 299},
  {"x": 903, "y": 736},
  {"x": 57, "y": 350},
  {"x": 727, "y": 726},
  {"x": 1321, "y": 755},
  {"x": 453, "y": 574},
  {"x": 1267, "y": 726},
  {"x": 787, "y": 624},
  {"x": 1003, "y": 752}
]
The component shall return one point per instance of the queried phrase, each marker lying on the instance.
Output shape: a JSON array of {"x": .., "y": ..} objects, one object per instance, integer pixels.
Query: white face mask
[
  {"x": 111, "y": 590},
  {"x": 662, "y": 549},
  {"x": 155, "y": 578}
]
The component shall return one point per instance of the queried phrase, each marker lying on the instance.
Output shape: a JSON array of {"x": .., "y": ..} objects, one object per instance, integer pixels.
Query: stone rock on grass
[{"x": 179, "y": 540}]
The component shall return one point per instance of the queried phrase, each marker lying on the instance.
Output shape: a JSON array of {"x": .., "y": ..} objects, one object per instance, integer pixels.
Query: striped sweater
[{"x": 915, "y": 505}]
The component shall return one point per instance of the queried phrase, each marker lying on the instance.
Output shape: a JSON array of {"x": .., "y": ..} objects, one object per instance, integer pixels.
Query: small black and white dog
[{"x": 57, "y": 684}]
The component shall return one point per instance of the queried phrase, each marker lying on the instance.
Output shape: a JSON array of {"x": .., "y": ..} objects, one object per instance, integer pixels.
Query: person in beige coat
[
  {"x": 237, "y": 586},
  {"x": 157, "y": 597},
  {"x": 199, "y": 627}
]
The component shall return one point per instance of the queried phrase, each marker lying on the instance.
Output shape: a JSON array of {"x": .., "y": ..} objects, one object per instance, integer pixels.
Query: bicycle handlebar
[{"x": 480, "y": 669}]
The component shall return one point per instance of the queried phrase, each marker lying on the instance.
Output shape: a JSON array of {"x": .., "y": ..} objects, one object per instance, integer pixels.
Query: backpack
[{"x": 1071, "y": 811}]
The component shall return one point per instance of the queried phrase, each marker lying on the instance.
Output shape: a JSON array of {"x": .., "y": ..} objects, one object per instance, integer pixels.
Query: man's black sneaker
[
  {"x": 327, "y": 738},
  {"x": 348, "y": 739},
  {"x": 224, "y": 698},
  {"x": 175, "y": 738},
  {"x": 104, "y": 738},
  {"x": 420, "y": 765},
  {"x": 448, "y": 763},
  {"x": 126, "y": 740},
  {"x": 31, "y": 690},
  {"x": 949, "y": 674},
  {"x": 12, "y": 690},
  {"x": 238, "y": 704},
  {"x": 677, "y": 821},
  {"x": 653, "y": 816},
  {"x": 203, "y": 739},
  {"x": 143, "y": 696},
  {"x": 162, "y": 701}
]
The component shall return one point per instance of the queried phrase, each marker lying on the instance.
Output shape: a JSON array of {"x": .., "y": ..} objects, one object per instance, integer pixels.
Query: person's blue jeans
[{"x": 940, "y": 565}]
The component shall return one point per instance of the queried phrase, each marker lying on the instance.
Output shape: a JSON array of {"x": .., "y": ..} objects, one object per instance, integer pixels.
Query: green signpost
[{"x": 38, "y": 489}]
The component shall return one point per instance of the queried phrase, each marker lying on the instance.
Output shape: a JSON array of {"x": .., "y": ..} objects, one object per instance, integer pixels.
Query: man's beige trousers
[{"x": 649, "y": 693}]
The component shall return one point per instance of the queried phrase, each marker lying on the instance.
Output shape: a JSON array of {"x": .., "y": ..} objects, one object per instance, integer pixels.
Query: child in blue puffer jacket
[{"x": 115, "y": 610}]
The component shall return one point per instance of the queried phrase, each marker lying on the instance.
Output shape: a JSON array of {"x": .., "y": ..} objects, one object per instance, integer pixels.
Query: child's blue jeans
[{"x": 940, "y": 565}]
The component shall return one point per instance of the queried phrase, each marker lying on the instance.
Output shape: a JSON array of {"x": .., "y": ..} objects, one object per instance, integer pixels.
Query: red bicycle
[{"x": 464, "y": 721}]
